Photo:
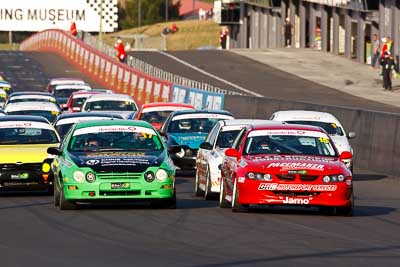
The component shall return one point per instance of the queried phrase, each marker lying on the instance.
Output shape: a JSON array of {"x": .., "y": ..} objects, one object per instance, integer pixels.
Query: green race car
[{"x": 115, "y": 160}]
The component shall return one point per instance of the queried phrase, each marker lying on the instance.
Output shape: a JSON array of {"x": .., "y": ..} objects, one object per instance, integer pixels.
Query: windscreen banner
[{"x": 198, "y": 98}]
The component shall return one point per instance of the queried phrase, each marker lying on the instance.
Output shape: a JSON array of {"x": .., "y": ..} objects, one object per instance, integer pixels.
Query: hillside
[{"x": 192, "y": 34}]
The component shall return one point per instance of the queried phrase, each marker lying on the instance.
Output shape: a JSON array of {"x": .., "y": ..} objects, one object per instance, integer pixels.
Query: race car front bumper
[{"x": 306, "y": 194}]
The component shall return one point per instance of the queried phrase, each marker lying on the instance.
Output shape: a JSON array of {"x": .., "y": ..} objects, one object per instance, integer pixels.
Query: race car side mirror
[
  {"x": 231, "y": 152},
  {"x": 54, "y": 151},
  {"x": 174, "y": 149},
  {"x": 346, "y": 155},
  {"x": 351, "y": 135},
  {"x": 206, "y": 145}
]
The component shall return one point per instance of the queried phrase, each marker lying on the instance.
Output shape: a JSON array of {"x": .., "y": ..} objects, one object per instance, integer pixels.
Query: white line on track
[{"x": 211, "y": 75}]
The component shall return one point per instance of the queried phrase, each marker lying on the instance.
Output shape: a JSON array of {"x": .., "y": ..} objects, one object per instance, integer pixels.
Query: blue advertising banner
[{"x": 198, "y": 98}]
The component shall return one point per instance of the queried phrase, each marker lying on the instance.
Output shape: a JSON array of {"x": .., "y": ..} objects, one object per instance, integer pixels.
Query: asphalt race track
[{"x": 198, "y": 233}]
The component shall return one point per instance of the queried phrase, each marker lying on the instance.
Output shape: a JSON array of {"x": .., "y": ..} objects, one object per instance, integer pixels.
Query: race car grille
[
  {"x": 120, "y": 193},
  {"x": 119, "y": 175},
  {"x": 20, "y": 167},
  {"x": 308, "y": 177},
  {"x": 286, "y": 176}
]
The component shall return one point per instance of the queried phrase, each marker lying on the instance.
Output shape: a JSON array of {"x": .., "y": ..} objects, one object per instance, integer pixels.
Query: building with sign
[{"x": 337, "y": 26}]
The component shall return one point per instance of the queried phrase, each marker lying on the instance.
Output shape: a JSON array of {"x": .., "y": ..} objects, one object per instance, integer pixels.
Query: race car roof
[
  {"x": 247, "y": 122},
  {"x": 73, "y": 86},
  {"x": 24, "y": 118},
  {"x": 30, "y": 105},
  {"x": 35, "y": 96},
  {"x": 113, "y": 122},
  {"x": 109, "y": 97},
  {"x": 165, "y": 106},
  {"x": 73, "y": 116},
  {"x": 206, "y": 111},
  {"x": 66, "y": 81},
  {"x": 304, "y": 115},
  {"x": 83, "y": 94}
]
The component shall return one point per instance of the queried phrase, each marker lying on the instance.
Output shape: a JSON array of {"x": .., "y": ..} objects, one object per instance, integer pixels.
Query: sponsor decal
[
  {"x": 296, "y": 201},
  {"x": 291, "y": 165},
  {"x": 92, "y": 162},
  {"x": 296, "y": 187},
  {"x": 241, "y": 179},
  {"x": 202, "y": 116},
  {"x": 293, "y": 157},
  {"x": 114, "y": 128},
  {"x": 287, "y": 132}
]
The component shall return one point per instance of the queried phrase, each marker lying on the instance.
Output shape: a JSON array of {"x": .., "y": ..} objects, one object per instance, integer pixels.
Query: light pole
[
  {"x": 139, "y": 13},
  {"x": 101, "y": 22},
  {"x": 166, "y": 10}
]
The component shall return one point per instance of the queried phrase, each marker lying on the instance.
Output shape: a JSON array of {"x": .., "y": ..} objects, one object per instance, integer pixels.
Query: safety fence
[
  {"x": 103, "y": 68},
  {"x": 149, "y": 69}
]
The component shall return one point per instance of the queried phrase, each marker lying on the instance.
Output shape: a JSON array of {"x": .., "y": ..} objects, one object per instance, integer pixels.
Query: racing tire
[
  {"x": 197, "y": 191},
  {"x": 207, "y": 193},
  {"x": 236, "y": 206},
  {"x": 223, "y": 203},
  {"x": 56, "y": 197},
  {"x": 64, "y": 204}
]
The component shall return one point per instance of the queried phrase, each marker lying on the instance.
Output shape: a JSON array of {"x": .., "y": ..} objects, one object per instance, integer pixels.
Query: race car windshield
[
  {"x": 27, "y": 136},
  {"x": 63, "y": 129},
  {"x": 49, "y": 115},
  {"x": 65, "y": 92},
  {"x": 288, "y": 145},
  {"x": 110, "y": 105},
  {"x": 330, "y": 128},
  {"x": 14, "y": 100},
  {"x": 192, "y": 125},
  {"x": 78, "y": 102},
  {"x": 115, "y": 141},
  {"x": 155, "y": 116},
  {"x": 225, "y": 139}
]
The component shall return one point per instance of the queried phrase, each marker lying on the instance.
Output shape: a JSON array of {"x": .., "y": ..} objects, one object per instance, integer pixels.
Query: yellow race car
[{"x": 24, "y": 162}]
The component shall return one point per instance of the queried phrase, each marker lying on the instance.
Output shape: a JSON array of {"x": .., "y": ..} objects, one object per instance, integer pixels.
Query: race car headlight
[
  {"x": 79, "y": 176},
  {"x": 333, "y": 178},
  {"x": 259, "y": 176},
  {"x": 46, "y": 167},
  {"x": 149, "y": 176},
  {"x": 90, "y": 177},
  {"x": 161, "y": 175},
  {"x": 181, "y": 153}
]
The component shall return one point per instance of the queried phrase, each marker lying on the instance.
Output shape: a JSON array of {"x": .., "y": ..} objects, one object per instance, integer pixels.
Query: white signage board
[{"x": 38, "y": 15}]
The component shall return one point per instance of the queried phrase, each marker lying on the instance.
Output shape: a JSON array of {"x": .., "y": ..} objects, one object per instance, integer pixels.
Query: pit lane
[{"x": 198, "y": 232}]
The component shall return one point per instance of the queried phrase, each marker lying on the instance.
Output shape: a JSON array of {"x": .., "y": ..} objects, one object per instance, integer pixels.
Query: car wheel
[
  {"x": 171, "y": 203},
  {"x": 223, "y": 203},
  {"x": 207, "y": 192},
  {"x": 56, "y": 196},
  {"x": 236, "y": 206},
  {"x": 197, "y": 191},
  {"x": 64, "y": 204}
]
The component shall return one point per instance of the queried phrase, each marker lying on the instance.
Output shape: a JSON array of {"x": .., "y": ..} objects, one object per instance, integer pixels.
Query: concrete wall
[{"x": 378, "y": 133}]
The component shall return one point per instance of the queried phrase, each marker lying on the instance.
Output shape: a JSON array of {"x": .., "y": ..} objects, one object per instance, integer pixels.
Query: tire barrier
[{"x": 376, "y": 146}]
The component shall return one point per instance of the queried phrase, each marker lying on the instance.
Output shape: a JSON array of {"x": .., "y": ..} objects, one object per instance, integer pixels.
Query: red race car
[
  {"x": 157, "y": 113},
  {"x": 286, "y": 164},
  {"x": 76, "y": 101}
]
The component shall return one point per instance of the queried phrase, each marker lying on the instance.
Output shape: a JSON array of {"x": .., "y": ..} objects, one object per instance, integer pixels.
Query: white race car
[
  {"x": 49, "y": 110},
  {"x": 211, "y": 154},
  {"x": 62, "y": 81},
  {"x": 3, "y": 98},
  {"x": 111, "y": 103},
  {"x": 326, "y": 121},
  {"x": 31, "y": 97}
]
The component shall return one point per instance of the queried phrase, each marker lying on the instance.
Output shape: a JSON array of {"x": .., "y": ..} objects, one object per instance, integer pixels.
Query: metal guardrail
[{"x": 149, "y": 69}]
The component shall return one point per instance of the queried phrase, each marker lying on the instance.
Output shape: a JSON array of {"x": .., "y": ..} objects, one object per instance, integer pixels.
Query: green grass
[{"x": 191, "y": 35}]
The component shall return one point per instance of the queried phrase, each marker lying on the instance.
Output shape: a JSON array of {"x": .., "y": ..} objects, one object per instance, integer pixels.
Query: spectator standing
[
  {"x": 121, "y": 53},
  {"x": 288, "y": 31},
  {"x": 375, "y": 50},
  {"x": 223, "y": 35},
  {"x": 387, "y": 67},
  {"x": 73, "y": 29},
  {"x": 383, "y": 48}
]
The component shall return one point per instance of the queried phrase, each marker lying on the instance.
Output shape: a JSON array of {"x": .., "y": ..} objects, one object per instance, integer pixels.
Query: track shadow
[
  {"x": 359, "y": 211},
  {"x": 368, "y": 177},
  {"x": 193, "y": 203}
]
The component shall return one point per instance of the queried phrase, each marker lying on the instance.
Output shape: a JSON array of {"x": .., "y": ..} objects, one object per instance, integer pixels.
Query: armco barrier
[
  {"x": 104, "y": 69},
  {"x": 198, "y": 98},
  {"x": 378, "y": 133}
]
